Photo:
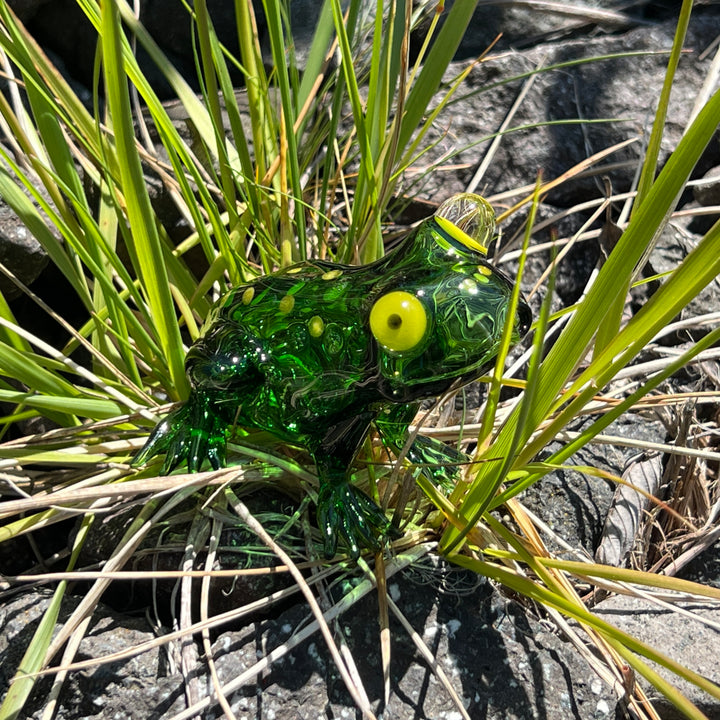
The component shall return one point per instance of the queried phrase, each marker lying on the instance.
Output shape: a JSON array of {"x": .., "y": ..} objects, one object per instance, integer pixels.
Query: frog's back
[{"x": 307, "y": 315}]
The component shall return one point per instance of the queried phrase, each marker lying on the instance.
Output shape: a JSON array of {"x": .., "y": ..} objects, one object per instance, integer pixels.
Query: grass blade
[{"x": 148, "y": 253}]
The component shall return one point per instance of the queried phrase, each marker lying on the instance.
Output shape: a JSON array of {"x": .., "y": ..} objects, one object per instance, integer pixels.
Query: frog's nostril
[{"x": 524, "y": 318}]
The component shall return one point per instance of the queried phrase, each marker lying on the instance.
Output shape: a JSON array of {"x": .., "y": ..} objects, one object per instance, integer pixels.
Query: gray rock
[
  {"x": 705, "y": 568},
  {"x": 709, "y": 192},
  {"x": 622, "y": 89},
  {"x": 133, "y": 689},
  {"x": 576, "y": 504},
  {"x": 513, "y": 25},
  {"x": 20, "y": 252},
  {"x": 500, "y": 660},
  {"x": 685, "y": 640}
]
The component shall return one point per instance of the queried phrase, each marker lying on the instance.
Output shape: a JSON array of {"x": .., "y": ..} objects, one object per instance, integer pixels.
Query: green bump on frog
[{"x": 317, "y": 354}]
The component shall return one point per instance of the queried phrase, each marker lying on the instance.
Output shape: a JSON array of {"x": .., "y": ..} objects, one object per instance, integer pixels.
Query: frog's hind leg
[
  {"x": 438, "y": 461},
  {"x": 344, "y": 511},
  {"x": 192, "y": 433}
]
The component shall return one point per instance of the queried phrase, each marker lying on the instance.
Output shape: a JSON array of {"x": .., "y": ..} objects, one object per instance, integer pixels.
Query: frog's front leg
[
  {"x": 344, "y": 511},
  {"x": 438, "y": 461},
  {"x": 192, "y": 433},
  {"x": 220, "y": 373}
]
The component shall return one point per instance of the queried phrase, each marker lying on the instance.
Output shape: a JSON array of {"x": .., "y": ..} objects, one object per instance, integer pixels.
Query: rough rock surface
[
  {"x": 20, "y": 253},
  {"x": 575, "y": 504},
  {"x": 684, "y": 638},
  {"x": 512, "y": 668},
  {"x": 618, "y": 93}
]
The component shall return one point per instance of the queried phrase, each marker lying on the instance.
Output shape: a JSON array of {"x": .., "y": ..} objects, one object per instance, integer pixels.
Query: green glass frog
[{"x": 317, "y": 353}]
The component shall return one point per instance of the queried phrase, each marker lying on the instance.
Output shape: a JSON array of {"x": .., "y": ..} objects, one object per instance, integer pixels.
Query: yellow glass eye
[{"x": 398, "y": 321}]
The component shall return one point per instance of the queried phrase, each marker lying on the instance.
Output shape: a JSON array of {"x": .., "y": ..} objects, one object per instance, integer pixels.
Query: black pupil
[{"x": 394, "y": 321}]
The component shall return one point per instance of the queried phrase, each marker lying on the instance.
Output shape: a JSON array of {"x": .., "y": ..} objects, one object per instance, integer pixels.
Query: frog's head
[{"x": 441, "y": 318}]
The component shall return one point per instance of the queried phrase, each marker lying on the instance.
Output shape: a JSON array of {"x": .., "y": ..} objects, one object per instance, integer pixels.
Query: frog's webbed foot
[
  {"x": 439, "y": 462},
  {"x": 192, "y": 433},
  {"x": 346, "y": 512}
]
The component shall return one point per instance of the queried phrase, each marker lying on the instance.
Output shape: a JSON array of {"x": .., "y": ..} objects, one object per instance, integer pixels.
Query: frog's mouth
[{"x": 404, "y": 379}]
